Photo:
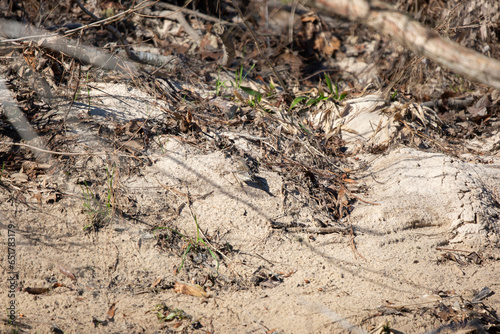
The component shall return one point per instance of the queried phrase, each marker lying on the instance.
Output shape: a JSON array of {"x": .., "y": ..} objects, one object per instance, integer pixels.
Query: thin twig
[
  {"x": 282, "y": 83},
  {"x": 111, "y": 29},
  {"x": 316, "y": 230},
  {"x": 54, "y": 152},
  {"x": 353, "y": 245},
  {"x": 190, "y": 11},
  {"x": 291, "y": 21},
  {"x": 189, "y": 202},
  {"x": 264, "y": 328},
  {"x": 187, "y": 27},
  {"x": 143, "y": 4}
]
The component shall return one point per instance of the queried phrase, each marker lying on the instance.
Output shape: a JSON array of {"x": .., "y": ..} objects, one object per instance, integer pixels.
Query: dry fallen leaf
[
  {"x": 66, "y": 273},
  {"x": 19, "y": 177},
  {"x": 111, "y": 312},
  {"x": 190, "y": 289},
  {"x": 37, "y": 291},
  {"x": 38, "y": 197},
  {"x": 155, "y": 283}
]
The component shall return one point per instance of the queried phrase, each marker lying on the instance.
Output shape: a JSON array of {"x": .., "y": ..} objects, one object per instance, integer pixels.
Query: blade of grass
[
  {"x": 296, "y": 101},
  {"x": 329, "y": 83}
]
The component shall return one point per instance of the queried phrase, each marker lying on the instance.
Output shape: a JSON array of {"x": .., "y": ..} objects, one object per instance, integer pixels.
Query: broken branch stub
[{"x": 418, "y": 38}]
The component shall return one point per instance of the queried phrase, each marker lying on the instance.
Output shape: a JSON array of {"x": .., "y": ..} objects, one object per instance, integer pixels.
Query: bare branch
[{"x": 419, "y": 39}]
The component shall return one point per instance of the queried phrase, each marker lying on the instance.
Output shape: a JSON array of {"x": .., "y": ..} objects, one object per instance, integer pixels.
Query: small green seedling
[
  {"x": 394, "y": 95},
  {"x": 334, "y": 95},
  {"x": 219, "y": 84},
  {"x": 240, "y": 77},
  {"x": 201, "y": 241},
  {"x": 257, "y": 97},
  {"x": 99, "y": 214},
  {"x": 166, "y": 314},
  {"x": 193, "y": 245}
]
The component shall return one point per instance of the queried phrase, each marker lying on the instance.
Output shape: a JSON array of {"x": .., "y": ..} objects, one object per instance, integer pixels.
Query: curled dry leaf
[
  {"x": 287, "y": 274},
  {"x": 19, "y": 177},
  {"x": 41, "y": 291},
  {"x": 37, "y": 291},
  {"x": 66, "y": 273},
  {"x": 190, "y": 289},
  {"x": 111, "y": 312},
  {"x": 37, "y": 197},
  {"x": 484, "y": 293},
  {"x": 155, "y": 283}
]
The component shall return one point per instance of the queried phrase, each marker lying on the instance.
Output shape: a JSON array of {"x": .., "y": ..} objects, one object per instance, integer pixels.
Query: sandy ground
[{"x": 413, "y": 260}]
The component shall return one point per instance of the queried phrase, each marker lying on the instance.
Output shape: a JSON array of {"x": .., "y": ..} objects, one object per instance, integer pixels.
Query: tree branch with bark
[{"x": 418, "y": 38}]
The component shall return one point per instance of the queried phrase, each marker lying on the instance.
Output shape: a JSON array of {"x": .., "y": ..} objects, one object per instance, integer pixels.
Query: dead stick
[
  {"x": 420, "y": 39},
  {"x": 111, "y": 29},
  {"x": 282, "y": 83}
]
